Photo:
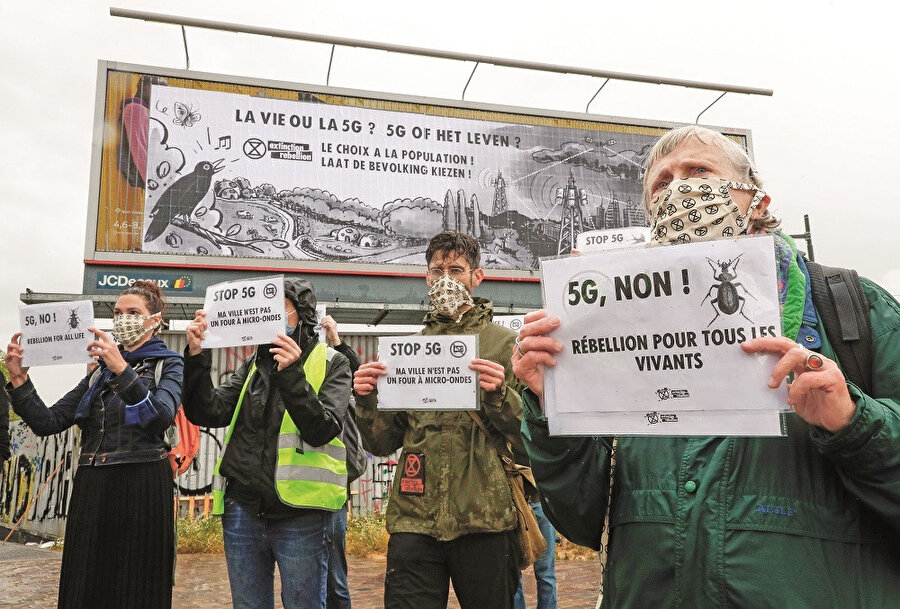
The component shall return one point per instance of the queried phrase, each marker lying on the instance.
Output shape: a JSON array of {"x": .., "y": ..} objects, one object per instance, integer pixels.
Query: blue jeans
[
  {"x": 544, "y": 567},
  {"x": 253, "y": 546},
  {"x": 338, "y": 596}
]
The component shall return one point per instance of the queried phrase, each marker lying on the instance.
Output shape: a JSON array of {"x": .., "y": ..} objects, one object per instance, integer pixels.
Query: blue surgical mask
[{"x": 288, "y": 329}]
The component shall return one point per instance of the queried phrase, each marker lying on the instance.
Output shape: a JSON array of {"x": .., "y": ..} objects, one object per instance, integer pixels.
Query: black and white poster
[{"x": 230, "y": 174}]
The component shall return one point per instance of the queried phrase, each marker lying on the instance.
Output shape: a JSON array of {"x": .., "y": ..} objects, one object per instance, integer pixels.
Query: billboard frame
[{"x": 94, "y": 257}]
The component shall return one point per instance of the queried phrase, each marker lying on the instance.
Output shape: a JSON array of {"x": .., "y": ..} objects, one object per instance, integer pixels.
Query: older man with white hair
[{"x": 807, "y": 520}]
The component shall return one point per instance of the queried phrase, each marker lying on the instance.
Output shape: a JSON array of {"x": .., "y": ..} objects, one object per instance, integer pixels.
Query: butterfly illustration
[{"x": 185, "y": 116}]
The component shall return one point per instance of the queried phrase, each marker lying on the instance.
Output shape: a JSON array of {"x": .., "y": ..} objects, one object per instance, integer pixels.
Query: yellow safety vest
[{"x": 305, "y": 476}]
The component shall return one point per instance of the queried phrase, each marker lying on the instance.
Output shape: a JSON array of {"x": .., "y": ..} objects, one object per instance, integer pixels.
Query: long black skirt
[{"x": 119, "y": 547}]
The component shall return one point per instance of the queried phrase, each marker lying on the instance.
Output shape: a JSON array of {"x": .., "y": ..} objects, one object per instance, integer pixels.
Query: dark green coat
[
  {"x": 466, "y": 490},
  {"x": 810, "y": 520}
]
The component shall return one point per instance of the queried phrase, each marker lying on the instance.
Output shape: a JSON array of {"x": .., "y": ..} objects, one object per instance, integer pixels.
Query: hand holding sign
[
  {"x": 104, "y": 346},
  {"x": 536, "y": 350},
  {"x": 195, "y": 332},
  {"x": 18, "y": 373},
  {"x": 818, "y": 395},
  {"x": 366, "y": 378},
  {"x": 285, "y": 352},
  {"x": 490, "y": 374}
]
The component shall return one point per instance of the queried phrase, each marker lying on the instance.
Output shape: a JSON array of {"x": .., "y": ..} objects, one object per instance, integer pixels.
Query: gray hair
[{"x": 733, "y": 151}]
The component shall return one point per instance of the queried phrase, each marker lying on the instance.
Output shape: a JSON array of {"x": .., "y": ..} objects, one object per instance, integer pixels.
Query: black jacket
[
  {"x": 249, "y": 462},
  {"x": 106, "y": 437}
]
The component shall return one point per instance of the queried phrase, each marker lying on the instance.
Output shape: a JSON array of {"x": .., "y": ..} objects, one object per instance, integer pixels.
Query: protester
[
  {"x": 120, "y": 533},
  {"x": 338, "y": 596},
  {"x": 544, "y": 568},
  {"x": 808, "y": 520},
  {"x": 459, "y": 528},
  {"x": 277, "y": 505}
]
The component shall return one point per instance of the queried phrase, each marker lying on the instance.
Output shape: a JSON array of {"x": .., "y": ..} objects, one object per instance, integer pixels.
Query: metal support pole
[
  {"x": 187, "y": 58},
  {"x": 468, "y": 81},
  {"x": 697, "y": 122},
  {"x": 380, "y": 317},
  {"x": 408, "y": 50},
  {"x": 807, "y": 236},
  {"x": 330, "y": 60},
  {"x": 595, "y": 96}
]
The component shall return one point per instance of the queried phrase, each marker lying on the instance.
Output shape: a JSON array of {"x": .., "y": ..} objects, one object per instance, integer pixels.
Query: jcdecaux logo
[{"x": 118, "y": 281}]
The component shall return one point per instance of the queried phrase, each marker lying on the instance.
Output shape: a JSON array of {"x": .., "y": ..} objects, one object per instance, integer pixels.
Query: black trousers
[{"x": 482, "y": 566}]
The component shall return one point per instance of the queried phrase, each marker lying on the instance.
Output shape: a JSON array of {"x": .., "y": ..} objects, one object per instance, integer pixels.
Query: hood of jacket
[{"x": 301, "y": 293}]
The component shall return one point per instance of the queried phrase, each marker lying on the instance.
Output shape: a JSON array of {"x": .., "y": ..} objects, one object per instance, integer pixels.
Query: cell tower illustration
[
  {"x": 500, "y": 203},
  {"x": 571, "y": 222}
]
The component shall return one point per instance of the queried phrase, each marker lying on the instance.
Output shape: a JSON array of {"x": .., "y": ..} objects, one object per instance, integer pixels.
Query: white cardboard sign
[
  {"x": 244, "y": 312},
  {"x": 428, "y": 372},
  {"x": 321, "y": 312},
  {"x": 664, "y": 422},
  {"x": 56, "y": 333},
  {"x": 513, "y": 322},
  {"x": 657, "y": 329},
  {"x": 612, "y": 239}
]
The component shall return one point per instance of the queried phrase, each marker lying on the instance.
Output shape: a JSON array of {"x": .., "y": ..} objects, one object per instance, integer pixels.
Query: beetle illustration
[
  {"x": 73, "y": 320},
  {"x": 727, "y": 299}
]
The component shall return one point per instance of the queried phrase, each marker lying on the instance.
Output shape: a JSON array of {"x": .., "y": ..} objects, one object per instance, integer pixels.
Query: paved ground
[{"x": 29, "y": 577}]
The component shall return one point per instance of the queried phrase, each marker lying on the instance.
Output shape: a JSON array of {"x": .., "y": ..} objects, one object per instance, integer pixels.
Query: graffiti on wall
[{"x": 31, "y": 466}]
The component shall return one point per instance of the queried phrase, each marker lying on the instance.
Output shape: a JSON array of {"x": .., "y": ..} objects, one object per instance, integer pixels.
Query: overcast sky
[{"x": 824, "y": 142}]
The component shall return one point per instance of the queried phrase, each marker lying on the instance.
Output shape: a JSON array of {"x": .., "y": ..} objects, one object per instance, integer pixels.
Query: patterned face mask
[
  {"x": 129, "y": 329},
  {"x": 700, "y": 209},
  {"x": 448, "y": 295}
]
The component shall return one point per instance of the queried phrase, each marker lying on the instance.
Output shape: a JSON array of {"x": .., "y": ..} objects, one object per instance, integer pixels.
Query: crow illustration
[{"x": 181, "y": 197}]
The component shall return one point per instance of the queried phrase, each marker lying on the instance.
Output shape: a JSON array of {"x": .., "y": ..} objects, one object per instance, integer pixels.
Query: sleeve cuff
[
  {"x": 21, "y": 392},
  {"x": 141, "y": 414},
  {"x": 367, "y": 402},
  {"x": 531, "y": 409},
  {"x": 494, "y": 399},
  {"x": 855, "y": 434}
]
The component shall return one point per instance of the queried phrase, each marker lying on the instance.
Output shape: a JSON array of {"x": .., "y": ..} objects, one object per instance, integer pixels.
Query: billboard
[{"x": 208, "y": 171}]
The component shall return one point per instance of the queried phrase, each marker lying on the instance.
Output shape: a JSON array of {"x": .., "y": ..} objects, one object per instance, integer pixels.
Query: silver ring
[
  {"x": 813, "y": 362},
  {"x": 519, "y": 347}
]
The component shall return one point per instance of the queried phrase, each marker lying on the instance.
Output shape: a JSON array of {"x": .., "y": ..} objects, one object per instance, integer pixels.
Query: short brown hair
[
  {"x": 151, "y": 293},
  {"x": 452, "y": 241}
]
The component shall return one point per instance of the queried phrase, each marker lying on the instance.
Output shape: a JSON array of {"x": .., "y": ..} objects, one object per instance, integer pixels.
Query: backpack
[
  {"x": 352, "y": 439},
  {"x": 843, "y": 309},
  {"x": 182, "y": 438}
]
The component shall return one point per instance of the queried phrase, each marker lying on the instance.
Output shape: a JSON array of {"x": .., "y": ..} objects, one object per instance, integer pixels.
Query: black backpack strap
[{"x": 843, "y": 309}]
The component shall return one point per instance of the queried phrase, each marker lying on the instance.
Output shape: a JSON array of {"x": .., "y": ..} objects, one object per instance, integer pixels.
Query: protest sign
[
  {"x": 428, "y": 373},
  {"x": 321, "y": 312},
  {"x": 244, "y": 312},
  {"x": 513, "y": 322},
  {"x": 56, "y": 333},
  {"x": 664, "y": 422},
  {"x": 612, "y": 239},
  {"x": 659, "y": 328}
]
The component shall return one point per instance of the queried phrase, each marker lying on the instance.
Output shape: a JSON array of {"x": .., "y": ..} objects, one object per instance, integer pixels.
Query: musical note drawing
[{"x": 224, "y": 142}]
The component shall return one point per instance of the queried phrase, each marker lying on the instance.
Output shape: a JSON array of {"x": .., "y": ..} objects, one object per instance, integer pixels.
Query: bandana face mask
[
  {"x": 701, "y": 209},
  {"x": 129, "y": 329},
  {"x": 448, "y": 295}
]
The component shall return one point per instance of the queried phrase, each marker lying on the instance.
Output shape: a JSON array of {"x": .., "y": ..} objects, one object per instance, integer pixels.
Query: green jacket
[
  {"x": 810, "y": 520},
  {"x": 466, "y": 490}
]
